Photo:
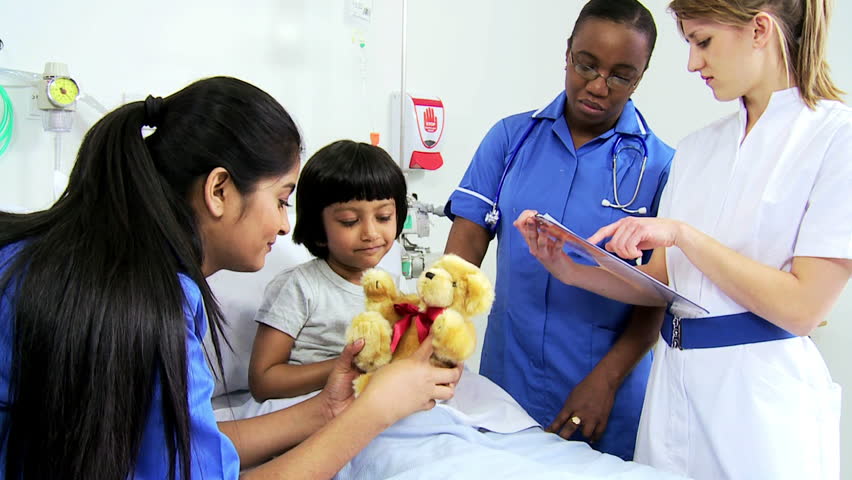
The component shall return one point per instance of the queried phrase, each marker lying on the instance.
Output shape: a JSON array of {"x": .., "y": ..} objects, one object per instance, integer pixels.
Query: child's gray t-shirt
[{"x": 314, "y": 305}]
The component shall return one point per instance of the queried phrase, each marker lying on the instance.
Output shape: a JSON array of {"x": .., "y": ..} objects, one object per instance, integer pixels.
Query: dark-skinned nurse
[{"x": 576, "y": 361}]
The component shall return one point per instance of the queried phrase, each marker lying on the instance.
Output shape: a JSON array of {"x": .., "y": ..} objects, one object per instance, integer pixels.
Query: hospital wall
[{"x": 484, "y": 58}]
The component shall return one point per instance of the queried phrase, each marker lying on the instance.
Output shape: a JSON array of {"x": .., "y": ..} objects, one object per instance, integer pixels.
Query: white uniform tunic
[{"x": 762, "y": 410}]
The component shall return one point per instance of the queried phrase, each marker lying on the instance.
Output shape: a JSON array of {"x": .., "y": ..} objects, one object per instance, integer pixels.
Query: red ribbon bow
[{"x": 422, "y": 321}]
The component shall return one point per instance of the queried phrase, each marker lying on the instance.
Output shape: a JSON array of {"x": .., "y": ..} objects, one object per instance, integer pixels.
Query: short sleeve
[
  {"x": 826, "y": 228},
  {"x": 475, "y": 194},
  {"x": 286, "y": 302}
]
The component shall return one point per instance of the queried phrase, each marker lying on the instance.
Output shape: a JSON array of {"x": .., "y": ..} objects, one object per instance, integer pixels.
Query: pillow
[{"x": 240, "y": 295}]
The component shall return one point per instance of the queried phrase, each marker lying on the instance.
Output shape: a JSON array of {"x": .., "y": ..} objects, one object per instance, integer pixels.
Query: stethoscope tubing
[
  {"x": 493, "y": 217},
  {"x": 643, "y": 152}
]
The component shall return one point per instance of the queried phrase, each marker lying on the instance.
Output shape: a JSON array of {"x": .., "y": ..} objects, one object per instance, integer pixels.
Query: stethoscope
[{"x": 493, "y": 216}]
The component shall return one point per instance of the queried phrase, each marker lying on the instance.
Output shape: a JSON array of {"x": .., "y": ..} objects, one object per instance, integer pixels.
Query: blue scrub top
[
  {"x": 544, "y": 337},
  {"x": 213, "y": 454}
]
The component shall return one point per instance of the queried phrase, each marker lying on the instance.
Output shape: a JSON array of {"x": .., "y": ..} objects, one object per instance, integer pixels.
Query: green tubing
[{"x": 7, "y": 121}]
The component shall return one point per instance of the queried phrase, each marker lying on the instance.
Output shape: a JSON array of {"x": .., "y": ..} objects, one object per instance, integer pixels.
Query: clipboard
[{"x": 589, "y": 254}]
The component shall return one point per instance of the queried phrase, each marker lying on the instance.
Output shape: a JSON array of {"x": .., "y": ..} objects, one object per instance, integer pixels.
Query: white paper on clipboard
[{"x": 592, "y": 255}]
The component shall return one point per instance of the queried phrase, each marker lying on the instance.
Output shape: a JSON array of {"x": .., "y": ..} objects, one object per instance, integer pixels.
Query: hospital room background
[{"x": 335, "y": 65}]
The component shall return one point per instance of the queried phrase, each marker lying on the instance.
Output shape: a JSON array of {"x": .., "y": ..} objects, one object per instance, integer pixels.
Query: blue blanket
[{"x": 433, "y": 444}]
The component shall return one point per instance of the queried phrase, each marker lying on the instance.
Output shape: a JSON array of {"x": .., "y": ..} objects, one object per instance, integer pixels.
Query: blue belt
[{"x": 722, "y": 331}]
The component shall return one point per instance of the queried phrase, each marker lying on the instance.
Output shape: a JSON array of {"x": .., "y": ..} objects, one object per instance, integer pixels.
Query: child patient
[{"x": 350, "y": 207}]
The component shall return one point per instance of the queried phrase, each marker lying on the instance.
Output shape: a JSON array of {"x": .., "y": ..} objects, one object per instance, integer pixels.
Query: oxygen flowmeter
[{"x": 57, "y": 90}]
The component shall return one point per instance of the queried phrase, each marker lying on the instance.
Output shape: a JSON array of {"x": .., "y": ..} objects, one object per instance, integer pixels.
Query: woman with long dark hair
[{"x": 104, "y": 304}]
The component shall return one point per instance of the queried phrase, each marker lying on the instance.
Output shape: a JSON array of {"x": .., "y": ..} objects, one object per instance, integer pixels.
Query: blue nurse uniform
[{"x": 543, "y": 336}]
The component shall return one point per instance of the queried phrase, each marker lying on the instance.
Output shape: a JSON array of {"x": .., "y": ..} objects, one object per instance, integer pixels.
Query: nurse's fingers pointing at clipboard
[
  {"x": 622, "y": 237},
  {"x": 631, "y": 235},
  {"x": 604, "y": 232},
  {"x": 623, "y": 242}
]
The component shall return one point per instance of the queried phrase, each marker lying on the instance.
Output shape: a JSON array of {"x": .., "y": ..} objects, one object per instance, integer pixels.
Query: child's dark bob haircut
[{"x": 341, "y": 172}]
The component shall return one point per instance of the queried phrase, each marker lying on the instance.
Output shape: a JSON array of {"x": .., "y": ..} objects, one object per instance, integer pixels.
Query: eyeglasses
[{"x": 614, "y": 82}]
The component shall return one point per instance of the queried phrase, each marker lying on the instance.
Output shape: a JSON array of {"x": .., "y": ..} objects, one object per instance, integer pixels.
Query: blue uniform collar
[{"x": 630, "y": 122}]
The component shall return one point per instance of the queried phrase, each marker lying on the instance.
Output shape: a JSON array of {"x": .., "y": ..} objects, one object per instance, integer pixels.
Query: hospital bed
[{"x": 481, "y": 433}]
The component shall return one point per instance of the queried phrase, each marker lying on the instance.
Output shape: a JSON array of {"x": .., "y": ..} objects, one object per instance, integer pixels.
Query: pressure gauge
[
  {"x": 57, "y": 90},
  {"x": 62, "y": 91}
]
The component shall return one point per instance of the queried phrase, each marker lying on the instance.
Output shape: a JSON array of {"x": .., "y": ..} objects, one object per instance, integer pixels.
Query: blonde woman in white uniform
[{"x": 755, "y": 224}]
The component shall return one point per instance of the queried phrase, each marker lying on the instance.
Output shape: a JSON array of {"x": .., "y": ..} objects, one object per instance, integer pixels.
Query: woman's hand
[
  {"x": 631, "y": 235},
  {"x": 338, "y": 391},
  {"x": 587, "y": 409},
  {"x": 544, "y": 248},
  {"x": 410, "y": 385}
]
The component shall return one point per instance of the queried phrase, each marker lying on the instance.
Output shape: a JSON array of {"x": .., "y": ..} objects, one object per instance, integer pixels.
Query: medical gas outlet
[
  {"x": 422, "y": 126},
  {"x": 414, "y": 256}
]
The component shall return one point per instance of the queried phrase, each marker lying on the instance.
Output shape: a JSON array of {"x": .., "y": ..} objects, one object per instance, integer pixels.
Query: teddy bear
[{"x": 393, "y": 324}]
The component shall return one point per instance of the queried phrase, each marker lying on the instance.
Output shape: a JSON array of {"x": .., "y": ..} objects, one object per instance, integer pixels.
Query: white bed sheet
[
  {"x": 478, "y": 402},
  {"x": 433, "y": 445},
  {"x": 480, "y": 433}
]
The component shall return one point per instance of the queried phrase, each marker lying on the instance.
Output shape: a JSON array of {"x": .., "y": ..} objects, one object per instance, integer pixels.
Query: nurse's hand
[
  {"x": 544, "y": 248},
  {"x": 412, "y": 384},
  {"x": 631, "y": 235},
  {"x": 589, "y": 404},
  {"x": 338, "y": 393}
]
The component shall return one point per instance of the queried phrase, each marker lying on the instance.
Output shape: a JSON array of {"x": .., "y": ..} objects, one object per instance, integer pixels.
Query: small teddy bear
[{"x": 393, "y": 325}]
